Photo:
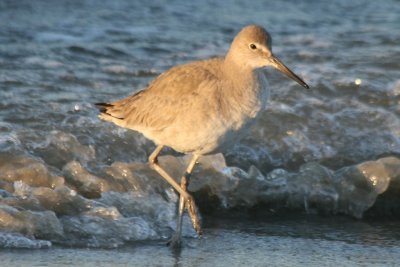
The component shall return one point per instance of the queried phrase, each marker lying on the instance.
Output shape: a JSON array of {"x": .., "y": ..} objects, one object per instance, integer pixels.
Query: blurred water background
[{"x": 317, "y": 178}]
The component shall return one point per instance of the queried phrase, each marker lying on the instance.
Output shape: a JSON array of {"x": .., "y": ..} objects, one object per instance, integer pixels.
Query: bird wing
[{"x": 166, "y": 97}]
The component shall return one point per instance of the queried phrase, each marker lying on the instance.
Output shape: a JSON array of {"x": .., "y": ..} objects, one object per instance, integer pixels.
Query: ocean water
[
  {"x": 290, "y": 241},
  {"x": 317, "y": 173}
]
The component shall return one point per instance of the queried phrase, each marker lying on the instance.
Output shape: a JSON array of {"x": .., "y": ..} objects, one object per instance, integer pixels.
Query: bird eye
[{"x": 253, "y": 46}]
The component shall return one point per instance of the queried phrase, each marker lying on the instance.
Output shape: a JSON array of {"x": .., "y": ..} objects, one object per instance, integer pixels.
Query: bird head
[{"x": 252, "y": 48}]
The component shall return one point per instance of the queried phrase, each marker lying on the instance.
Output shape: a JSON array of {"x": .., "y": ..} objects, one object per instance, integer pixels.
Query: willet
[{"x": 202, "y": 107}]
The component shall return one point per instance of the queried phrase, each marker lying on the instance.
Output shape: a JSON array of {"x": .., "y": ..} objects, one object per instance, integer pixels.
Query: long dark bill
[{"x": 285, "y": 70}]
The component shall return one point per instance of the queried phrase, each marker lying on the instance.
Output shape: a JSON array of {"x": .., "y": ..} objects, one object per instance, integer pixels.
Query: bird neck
[
  {"x": 237, "y": 71},
  {"x": 246, "y": 91}
]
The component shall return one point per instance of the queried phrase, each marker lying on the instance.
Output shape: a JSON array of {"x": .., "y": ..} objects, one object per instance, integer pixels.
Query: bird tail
[
  {"x": 107, "y": 114},
  {"x": 102, "y": 107}
]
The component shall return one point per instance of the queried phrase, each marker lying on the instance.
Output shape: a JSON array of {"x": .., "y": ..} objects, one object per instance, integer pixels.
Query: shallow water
[
  {"x": 68, "y": 179},
  {"x": 310, "y": 241}
]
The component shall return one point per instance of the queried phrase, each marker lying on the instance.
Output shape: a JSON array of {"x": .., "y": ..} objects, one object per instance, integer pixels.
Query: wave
[{"x": 127, "y": 202}]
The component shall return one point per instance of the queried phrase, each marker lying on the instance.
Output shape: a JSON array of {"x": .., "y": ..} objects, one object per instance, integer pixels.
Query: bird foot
[{"x": 175, "y": 242}]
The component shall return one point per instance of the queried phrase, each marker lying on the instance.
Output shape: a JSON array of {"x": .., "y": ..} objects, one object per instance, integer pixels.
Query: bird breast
[
  {"x": 247, "y": 106},
  {"x": 238, "y": 110}
]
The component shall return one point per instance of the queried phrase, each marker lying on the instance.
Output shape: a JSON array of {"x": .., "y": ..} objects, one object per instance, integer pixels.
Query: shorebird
[{"x": 201, "y": 107}]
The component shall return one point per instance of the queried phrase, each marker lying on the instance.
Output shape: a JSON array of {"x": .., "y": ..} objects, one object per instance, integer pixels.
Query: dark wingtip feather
[{"x": 103, "y": 106}]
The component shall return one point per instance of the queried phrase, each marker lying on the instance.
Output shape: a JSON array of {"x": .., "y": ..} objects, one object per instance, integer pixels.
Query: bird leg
[
  {"x": 176, "y": 239},
  {"x": 154, "y": 164},
  {"x": 185, "y": 198}
]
